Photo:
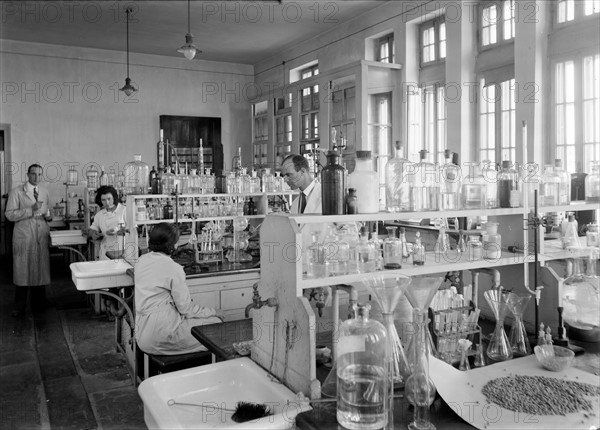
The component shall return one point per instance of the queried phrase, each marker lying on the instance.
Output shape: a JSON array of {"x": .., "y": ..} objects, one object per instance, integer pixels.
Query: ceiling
[{"x": 241, "y": 31}]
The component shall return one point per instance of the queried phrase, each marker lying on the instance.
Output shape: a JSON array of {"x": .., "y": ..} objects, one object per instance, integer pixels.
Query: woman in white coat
[
  {"x": 164, "y": 311},
  {"x": 107, "y": 221}
]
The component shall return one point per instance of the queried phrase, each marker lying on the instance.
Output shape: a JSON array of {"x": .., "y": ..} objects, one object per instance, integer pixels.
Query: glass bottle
[
  {"x": 550, "y": 186},
  {"x": 252, "y": 210},
  {"x": 72, "y": 174},
  {"x": 112, "y": 177},
  {"x": 137, "y": 174},
  {"x": 103, "y": 178},
  {"x": 268, "y": 181},
  {"x": 570, "y": 237},
  {"x": 316, "y": 261},
  {"x": 418, "y": 251},
  {"x": 419, "y": 388},
  {"x": 153, "y": 180},
  {"x": 92, "y": 177},
  {"x": 352, "y": 202},
  {"x": 168, "y": 181},
  {"x": 333, "y": 186},
  {"x": 474, "y": 188},
  {"x": 508, "y": 186},
  {"x": 564, "y": 193},
  {"x": 404, "y": 244},
  {"x": 490, "y": 176},
  {"x": 397, "y": 189},
  {"x": 253, "y": 183},
  {"x": 580, "y": 297},
  {"x": 362, "y": 380},
  {"x": 160, "y": 150},
  {"x": 168, "y": 210},
  {"x": 592, "y": 235},
  {"x": 474, "y": 248},
  {"x": 492, "y": 242},
  {"x": 519, "y": 342},
  {"x": 451, "y": 183},
  {"x": 392, "y": 250},
  {"x": 141, "y": 214},
  {"x": 365, "y": 180},
  {"x": 121, "y": 184},
  {"x": 592, "y": 184},
  {"x": 364, "y": 253},
  {"x": 424, "y": 185}
]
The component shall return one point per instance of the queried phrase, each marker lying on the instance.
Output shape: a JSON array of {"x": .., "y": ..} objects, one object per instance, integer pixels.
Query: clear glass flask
[
  {"x": 518, "y": 335},
  {"x": 362, "y": 381},
  {"x": 499, "y": 348}
]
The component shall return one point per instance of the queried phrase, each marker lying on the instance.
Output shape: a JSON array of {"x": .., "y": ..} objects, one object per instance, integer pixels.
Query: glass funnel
[
  {"x": 499, "y": 348},
  {"x": 518, "y": 335},
  {"x": 419, "y": 295}
]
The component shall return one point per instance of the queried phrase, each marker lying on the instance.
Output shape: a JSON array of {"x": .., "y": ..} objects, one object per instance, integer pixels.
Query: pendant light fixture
[
  {"x": 189, "y": 49},
  {"x": 128, "y": 88}
]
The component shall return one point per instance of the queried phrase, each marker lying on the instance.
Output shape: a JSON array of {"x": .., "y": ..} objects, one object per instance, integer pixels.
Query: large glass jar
[
  {"x": 492, "y": 242},
  {"x": 474, "y": 188},
  {"x": 168, "y": 181},
  {"x": 397, "y": 197},
  {"x": 362, "y": 380},
  {"x": 365, "y": 180},
  {"x": 592, "y": 184},
  {"x": 550, "y": 186},
  {"x": 508, "y": 186},
  {"x": 451, "y": 183},
  {"x": 392, "y": 250},
  {"x": 92, "y": 177},
  {"x": 72, "y": 174},
  {"x": 137, "y": 174},
  {"x": 424, "y": 185},
  {"x": 333, "y": 186},
  {"x": 581, "y": 295}
]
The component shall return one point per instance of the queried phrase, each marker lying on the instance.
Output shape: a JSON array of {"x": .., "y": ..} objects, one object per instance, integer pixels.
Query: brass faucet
[{"x": 257, "y": 303}]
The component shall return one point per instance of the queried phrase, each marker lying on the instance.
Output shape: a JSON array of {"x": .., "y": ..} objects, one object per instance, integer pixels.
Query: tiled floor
[{"x": 59, "y": 368}]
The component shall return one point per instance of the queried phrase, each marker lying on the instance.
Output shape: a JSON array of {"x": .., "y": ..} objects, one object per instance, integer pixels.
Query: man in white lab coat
[
  {"x": 296, "y": 173},
  {"x": 28, "y": 207}
]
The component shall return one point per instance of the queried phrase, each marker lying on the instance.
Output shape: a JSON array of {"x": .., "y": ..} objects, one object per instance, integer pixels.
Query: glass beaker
[
  {"x": 519, "y": 342},
  {"x": 419, "y": 389},
  {"x": 499, "y": 348}
]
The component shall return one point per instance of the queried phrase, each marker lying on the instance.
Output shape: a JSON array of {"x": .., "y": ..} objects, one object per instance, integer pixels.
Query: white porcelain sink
[
  {"x": 215, "y": 385},
  {"x": 67, "y": 237},
  {"x": 97, "y": 275}
]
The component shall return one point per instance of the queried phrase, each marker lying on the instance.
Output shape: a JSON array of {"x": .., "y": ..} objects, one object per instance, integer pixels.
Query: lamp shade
[
  {"x": 189, "y": 50},
  {"x": 128, "y": 89}
]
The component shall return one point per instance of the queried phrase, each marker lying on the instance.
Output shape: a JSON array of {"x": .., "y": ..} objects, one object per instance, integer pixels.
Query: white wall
[{"x": 63, "y": 105}]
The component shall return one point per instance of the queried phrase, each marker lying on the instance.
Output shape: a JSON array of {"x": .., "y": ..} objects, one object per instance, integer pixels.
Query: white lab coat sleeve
[
  {"x": 182, "y": 299},
  {"x": 14, "y": 211}
]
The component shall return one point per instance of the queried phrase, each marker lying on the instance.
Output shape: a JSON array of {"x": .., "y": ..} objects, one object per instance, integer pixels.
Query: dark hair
[
  {"x": 299, "y": 161},
  {"x": 106, "y": 189},
  {"x": 34, "y": 165},
  {"x": 163, "y": 238}
]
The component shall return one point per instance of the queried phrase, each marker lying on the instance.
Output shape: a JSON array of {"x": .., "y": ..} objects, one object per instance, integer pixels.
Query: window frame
[
  {"x": 435, "y": 23},
  {"x": 386, "y": 39},
  {"x": 578, "y": 14},
  {"x": 500, "y": 22}
]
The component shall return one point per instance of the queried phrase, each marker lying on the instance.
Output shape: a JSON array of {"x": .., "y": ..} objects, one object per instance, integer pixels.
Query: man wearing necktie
[
  {"x": 28, "y": 207},
  {"x": 296, "y": 173}
]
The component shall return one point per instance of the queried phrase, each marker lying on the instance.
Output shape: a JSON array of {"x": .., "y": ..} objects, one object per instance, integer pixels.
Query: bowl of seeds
[{"x": 554, "y": 358}]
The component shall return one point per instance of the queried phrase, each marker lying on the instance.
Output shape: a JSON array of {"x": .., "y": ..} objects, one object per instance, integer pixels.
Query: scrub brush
[{"x": 243, "y": 412}]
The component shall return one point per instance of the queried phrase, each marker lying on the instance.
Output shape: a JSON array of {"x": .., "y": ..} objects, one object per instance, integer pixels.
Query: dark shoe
[{"x": 16, "y": 313}]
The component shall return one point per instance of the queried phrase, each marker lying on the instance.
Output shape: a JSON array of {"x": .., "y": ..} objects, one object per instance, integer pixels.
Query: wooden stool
[{"x": 151, "y": 365}]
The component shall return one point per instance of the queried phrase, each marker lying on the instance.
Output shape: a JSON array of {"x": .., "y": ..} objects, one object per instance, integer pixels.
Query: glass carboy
[
  {"x": 137, "y": 174},
  {"x": 396, "y": 182},
  {"x": 365, "y": 180},
  {"x": 333, "y": 186},
  {"x": 362, "y": 381}
]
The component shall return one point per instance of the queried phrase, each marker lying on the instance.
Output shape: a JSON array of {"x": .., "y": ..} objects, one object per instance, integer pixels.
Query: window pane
[
  {"x": 443, "y": 40},
  {"x": 509, "y": 19},
  {"x": 569, "y": 82},
  {"x": 591, "y": 7},
  {"x": 591, "y": 109}
]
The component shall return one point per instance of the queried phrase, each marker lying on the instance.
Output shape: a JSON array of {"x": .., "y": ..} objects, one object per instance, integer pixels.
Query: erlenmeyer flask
[
  {"x": 519, "y": 342},
  {"x": 499, "y": 348}
]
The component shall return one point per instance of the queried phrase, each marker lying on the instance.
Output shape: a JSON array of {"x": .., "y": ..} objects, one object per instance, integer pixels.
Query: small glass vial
[
  {"x": 362, "y": 381},
  {"x": 392, "y": 250},
  {"x": 592, "y": 235},
  {"x": 418, "y": 251},
  {"x": 474, "y": 248},
  {"x": 351, "y": 201}
]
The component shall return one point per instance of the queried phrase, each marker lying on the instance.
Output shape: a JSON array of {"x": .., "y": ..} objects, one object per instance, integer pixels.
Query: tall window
[
  {"x": 283, "y": 128},
  {"x": 434, "y": 119},
  {"x": 260, "y": 133},
  {"x": 385, "y": 48},
  {"x": 497, "y": 22},
  {"x": 571, "y": 10},
  {"x": 576, "y": 111},
  {"x": 497, "y": 128},
  {"x": 433, "y": 41}
]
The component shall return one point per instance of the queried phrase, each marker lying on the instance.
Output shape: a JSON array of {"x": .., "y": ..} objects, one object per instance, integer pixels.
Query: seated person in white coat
[{"x": 164, "y": 311}]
